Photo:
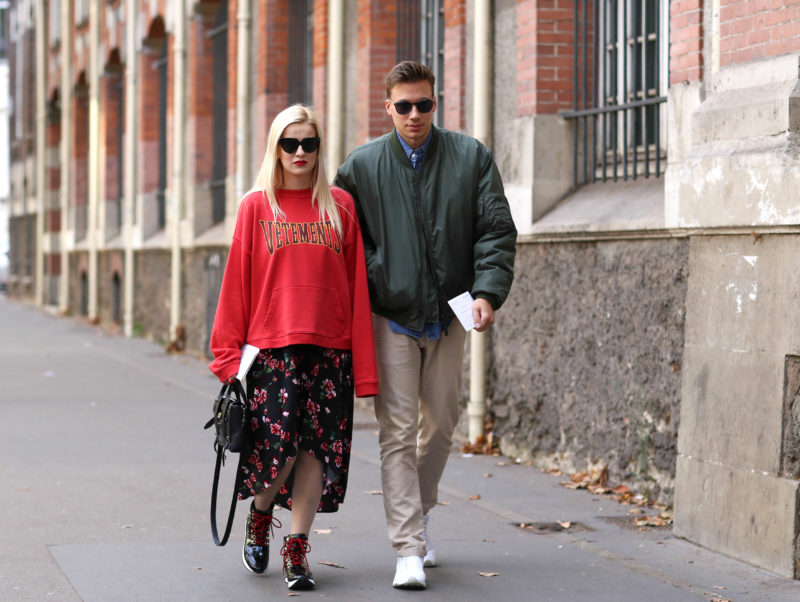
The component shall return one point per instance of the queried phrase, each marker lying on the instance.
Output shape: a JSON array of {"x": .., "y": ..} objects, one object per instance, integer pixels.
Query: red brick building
[{"x": 648, "y": 149}]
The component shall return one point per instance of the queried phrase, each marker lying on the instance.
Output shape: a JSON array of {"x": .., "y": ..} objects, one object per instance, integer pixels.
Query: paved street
[{"x": 105, "y": 474}]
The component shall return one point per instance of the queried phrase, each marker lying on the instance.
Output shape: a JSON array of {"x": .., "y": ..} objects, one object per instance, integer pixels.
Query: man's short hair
[{"x": 409, "y": 72}]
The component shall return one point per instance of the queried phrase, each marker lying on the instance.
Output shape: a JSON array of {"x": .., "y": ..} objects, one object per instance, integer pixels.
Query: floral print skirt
[{"x": 300, "y": 400}]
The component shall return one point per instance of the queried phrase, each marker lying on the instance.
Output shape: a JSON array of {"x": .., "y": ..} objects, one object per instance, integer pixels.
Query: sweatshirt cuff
[{"x": 367, "y": 389}]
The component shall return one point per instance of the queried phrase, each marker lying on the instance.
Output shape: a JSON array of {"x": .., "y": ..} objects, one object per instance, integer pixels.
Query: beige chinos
[{"x": 417, "y": 411}]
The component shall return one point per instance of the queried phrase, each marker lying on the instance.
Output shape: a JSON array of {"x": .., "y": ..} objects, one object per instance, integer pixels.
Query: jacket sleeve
[
  {"x": 233, "y": 309},
  {"x": 365, "y": 366},
  {"x": 495, "y": 237},
  {"x": 346, "y": 180}
]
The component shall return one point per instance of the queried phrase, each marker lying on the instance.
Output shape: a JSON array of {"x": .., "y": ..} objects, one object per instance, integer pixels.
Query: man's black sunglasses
[
  {"x": 403, "y": 107},
  {"x": 290, "y": 145}
]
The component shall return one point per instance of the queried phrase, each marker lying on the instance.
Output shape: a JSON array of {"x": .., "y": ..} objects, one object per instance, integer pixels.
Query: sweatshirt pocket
[{"x": 306, "y": 310}]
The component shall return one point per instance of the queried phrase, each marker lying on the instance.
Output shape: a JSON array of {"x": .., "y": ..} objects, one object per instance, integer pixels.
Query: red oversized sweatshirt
[{"x": 295, "y": 281}]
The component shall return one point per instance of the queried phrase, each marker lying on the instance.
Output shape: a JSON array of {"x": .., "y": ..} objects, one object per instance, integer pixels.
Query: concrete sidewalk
[{"x": 105, "y": 474}]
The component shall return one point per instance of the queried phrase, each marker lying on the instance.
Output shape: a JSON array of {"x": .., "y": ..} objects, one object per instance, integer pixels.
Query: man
[{"x": 435, "y": 224}]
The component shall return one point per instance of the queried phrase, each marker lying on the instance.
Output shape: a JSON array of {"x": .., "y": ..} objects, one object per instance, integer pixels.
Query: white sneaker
[
  {"x": 430, "y": 554},
  {"x": 409, "y": 573}
]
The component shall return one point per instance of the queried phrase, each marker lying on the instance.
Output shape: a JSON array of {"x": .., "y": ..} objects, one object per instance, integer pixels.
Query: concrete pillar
[
  {"x": 178, "y": 187},
  {"x": 41, "y": 160},
  {"x": 65, "y": 151},
  {"x": 131, "y": 149}
]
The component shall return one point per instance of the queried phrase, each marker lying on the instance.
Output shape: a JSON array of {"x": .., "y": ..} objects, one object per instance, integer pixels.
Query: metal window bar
[
  {"x": 619, "y": 85},
  {"x": 120, "y": 147},
  {"x": 218, "y": 34}
]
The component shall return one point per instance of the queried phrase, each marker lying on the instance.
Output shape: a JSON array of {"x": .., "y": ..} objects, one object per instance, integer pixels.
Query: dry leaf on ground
[
  {"x": 485, "y": 574},
  {"x": 477, "y": 496},
  {"x": 333, "y": 564},
  {"x": 322, "y": 531}
]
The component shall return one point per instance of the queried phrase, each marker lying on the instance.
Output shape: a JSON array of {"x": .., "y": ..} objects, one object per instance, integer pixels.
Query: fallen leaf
[
  {"x": 553, "y": 471},
  {"x": 443, "y": 503},
  {"x": 322, "y": 531},
  {"x": 291, "y": 594},
  {"x": 25, "y": 489},
  {"x": 198, "y": 568},
  {"x": 502, "y": 464},
  {"x": 127, "y": 526},
  {"x": 484, "y": 574},
  {"x": 477, "y": 496},
  {"x": 487, "y": 475},
  {"x": 564, "y": 524},
  {"x": 374, "y": 492},
  {"x": 333, "y": 564},
  {"x": 489, "y": 540},
  {"x": 718, "y": 587}
]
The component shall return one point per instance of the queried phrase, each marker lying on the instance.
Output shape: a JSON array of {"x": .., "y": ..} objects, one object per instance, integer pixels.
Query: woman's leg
[
  {"x": 263, "y": 500},
  {"x": 306, "y": 491}
]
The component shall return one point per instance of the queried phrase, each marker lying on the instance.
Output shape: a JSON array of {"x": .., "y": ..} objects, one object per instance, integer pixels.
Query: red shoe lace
[
  {"x": 296, "y": 549},
  {"x": 262, "y": 523}
]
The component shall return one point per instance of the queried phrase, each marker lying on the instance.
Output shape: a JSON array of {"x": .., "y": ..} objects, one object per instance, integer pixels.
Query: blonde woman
[{"x": 295, "y": 287}]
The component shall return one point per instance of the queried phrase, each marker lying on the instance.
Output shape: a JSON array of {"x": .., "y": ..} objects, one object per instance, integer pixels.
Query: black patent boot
[
  {"x": 295, "y": 563},
  {"x": 255, "y": 552}
]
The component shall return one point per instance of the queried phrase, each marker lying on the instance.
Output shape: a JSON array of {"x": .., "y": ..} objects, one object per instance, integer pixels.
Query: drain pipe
[
  {"x": 481, "y": 127},
  {"x": 129, "y": 170},
  {"x": 335, "y": 86},
  {"x": 92, "y": 232},
  {"x": 243, "y": 52},
  {"x": 65, "y": 156},
  {"x": 42, "y": 203}
]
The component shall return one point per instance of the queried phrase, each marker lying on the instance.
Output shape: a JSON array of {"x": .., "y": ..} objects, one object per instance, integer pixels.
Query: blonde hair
[{"x": 270, "y": 175}]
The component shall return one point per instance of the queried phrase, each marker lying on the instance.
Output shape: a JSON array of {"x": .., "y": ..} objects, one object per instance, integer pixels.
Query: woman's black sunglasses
[
  {"x": 403, "y": 107},
  {"x": 290, "y": 144}
]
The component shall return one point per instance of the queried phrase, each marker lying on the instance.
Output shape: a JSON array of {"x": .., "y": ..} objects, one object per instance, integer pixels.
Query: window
[
  {"x": 620, "y": 81},
  {"x": 219, "y": 169},
  {"x": 55, "y": 21},
  {"x": 420, "y": 37},
  {"x": 301, "y": 51},
  {"x": 161, "y": 193}
]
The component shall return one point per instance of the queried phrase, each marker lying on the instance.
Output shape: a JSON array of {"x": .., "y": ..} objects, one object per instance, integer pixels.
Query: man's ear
[{"x": 388, "y": 104}]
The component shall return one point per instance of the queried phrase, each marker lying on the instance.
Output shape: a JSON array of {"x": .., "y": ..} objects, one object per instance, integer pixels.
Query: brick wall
[
  {"x": 686, "y": 41},
  {"x": 454, "y": 85},
  {"x": 320, "y": 62},
  {"x": 200, "y": 96},
  {"x": 545, "y": 55},
  {"x": 377, "y": 37},
  {"x": 755, "y": 29}
]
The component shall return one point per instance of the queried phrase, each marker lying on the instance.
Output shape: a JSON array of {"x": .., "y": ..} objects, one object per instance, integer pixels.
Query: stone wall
[
  {"x": 151, "y": 295},
  {"x": 586, "y": 359}
]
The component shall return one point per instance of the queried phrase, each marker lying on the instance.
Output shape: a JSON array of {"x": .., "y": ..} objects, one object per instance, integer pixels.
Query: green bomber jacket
[{"x": 431, "y": 234}]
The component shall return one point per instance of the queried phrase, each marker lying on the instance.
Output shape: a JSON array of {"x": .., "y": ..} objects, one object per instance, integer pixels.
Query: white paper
[
  {"x": 462, "y": 307},
  {"x": 249, "y": 354}
]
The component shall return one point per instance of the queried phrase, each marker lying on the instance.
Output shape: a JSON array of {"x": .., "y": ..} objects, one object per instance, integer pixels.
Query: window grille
[
  {"x": 301, "y": 51},
  {"x": 219, "y": 168},
  {"x": 420, "y": 37},
  {"x": 619, "y": 84}
]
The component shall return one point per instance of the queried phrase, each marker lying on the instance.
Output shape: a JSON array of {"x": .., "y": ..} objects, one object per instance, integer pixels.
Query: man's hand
[{"x": 482, "y": 314}]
